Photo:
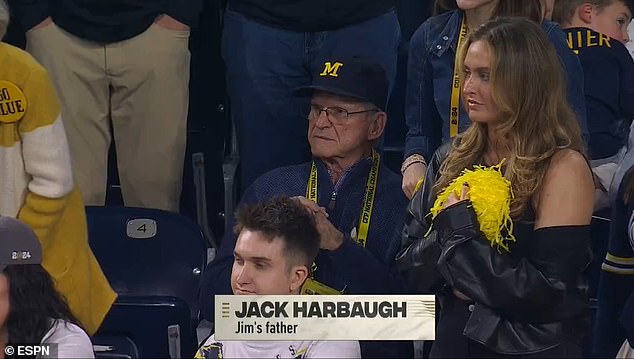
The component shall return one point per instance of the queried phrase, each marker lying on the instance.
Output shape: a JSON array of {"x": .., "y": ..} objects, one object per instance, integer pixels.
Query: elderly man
[{"x": 356, "y": 200}]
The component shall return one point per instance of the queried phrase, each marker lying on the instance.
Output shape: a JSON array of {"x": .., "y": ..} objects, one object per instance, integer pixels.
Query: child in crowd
[{"x": 596, "y": 31}]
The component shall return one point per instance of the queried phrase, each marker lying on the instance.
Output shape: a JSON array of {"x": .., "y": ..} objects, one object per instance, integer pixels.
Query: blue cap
[{"x": 354, "y": 77}]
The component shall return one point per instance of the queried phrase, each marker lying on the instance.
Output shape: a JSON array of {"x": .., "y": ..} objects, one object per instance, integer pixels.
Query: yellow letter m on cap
[{"x": 331, "y": 69}]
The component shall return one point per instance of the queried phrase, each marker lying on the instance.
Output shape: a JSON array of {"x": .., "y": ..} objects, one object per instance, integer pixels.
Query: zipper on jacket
[{"x": 333, "y": 199}]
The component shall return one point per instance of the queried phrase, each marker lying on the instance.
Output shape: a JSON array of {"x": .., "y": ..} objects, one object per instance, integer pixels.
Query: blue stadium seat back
[
  {"x": 114, "y": 346},
  {"x": 160, "y": 327},
  {"x": 148, "y": 252}
]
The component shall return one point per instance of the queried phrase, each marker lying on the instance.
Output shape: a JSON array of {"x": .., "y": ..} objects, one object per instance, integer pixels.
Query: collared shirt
[{"x": 429, "y": 75}]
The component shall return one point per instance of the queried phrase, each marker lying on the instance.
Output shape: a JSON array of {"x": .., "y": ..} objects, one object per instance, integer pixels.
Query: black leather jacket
[{"x": 521, "y": 305}]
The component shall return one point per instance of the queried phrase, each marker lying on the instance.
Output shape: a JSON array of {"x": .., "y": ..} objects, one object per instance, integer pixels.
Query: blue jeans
[{"x": 265, "y": 64}]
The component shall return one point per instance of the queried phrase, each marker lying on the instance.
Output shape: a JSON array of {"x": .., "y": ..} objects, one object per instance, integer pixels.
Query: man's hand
[
  {"x": 330, "y": 237},
  {"x": 170, "y": 23},
  {"x": 43, "y": 24}
]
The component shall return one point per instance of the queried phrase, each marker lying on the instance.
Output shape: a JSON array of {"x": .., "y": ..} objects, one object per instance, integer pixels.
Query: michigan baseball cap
[
  {"x": 18, "y": 244},
  {"x": 350, "y": 77}
]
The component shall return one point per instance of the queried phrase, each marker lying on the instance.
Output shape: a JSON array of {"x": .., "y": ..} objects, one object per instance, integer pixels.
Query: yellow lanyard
[
  {"x": 312, "y": 286},
  {"x": 456, "y": 84},
  {"x": 368, "y": 198}
]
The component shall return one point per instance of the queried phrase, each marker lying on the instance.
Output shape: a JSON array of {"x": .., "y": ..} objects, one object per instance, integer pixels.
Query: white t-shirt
[
  {"x": 213, "y": 349},
  {"x": 71, "y": 340}
]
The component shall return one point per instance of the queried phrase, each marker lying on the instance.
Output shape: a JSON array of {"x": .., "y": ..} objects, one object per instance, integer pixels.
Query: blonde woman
[
  {"x": 36, "y": 182},
  {"x": 433, "y": 113},
  {"x": 522, "y": 299}
]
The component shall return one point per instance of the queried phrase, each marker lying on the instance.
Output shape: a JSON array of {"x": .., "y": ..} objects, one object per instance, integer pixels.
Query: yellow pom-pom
[{"x": 490, "y": 193}]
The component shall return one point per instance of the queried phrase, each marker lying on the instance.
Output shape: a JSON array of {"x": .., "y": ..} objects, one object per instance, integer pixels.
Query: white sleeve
[
  {"x": 334, "y": 349},
  {"x": 71, "y": 341}
]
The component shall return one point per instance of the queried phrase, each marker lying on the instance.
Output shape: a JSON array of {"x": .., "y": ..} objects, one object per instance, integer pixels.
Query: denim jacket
[{"x": 430, "y": 71}]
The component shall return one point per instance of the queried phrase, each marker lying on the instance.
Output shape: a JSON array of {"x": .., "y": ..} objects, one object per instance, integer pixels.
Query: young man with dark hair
[
  {"x": 289, "y": 240},
  {"x": 277, "y": 244}
]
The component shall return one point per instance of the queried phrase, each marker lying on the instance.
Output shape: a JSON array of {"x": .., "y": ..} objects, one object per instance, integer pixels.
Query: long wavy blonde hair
[{"x": 527, "y": 85}]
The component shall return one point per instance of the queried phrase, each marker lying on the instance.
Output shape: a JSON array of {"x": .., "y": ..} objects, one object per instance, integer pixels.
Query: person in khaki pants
[{"x": 125, "y": 63}]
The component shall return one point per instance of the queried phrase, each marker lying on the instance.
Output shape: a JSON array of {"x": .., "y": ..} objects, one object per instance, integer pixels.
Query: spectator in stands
[
  {"x": 627, "y": 320},
  {"x": 512, "y": 291},
  {"x": 433, "y": 112},
  {"x": 616, "y": 281},
  {"x": 36, "y": 181},
  {"x": 273, "y": 46},
  {"x": 597, "y": 32},
  {"x": 348, "y": 181},
  {"x": 277, "y": 244},
  {"x": 622, "y": 167},
  {"x": 123, "y": 63},
  {"x": 31, "y": 310}
]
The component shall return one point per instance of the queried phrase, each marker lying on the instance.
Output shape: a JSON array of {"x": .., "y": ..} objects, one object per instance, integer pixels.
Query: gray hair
[{"x": 4, "y": 18}]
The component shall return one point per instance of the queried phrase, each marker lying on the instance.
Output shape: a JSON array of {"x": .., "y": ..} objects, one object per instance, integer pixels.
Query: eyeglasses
[{"x": 334, "y": 113}]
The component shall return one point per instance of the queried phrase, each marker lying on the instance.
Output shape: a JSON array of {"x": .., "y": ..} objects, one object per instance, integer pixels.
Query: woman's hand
[
  {"x": 455, "y": 198},
  {"x": 411, "y": 176}
]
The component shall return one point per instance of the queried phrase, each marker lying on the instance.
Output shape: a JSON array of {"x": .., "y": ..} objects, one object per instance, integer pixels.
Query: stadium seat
[
  {"x": 207, "y": 125},
  {"x": 159, "y": 327},
  {"x": 154, "y": 260},
  {"x": 114, "y": 347}
]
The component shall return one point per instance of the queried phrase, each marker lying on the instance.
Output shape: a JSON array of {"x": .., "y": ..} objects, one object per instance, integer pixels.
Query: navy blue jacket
[
  {"x": 430, "y": 74},
  {"x": 311, "y": 15},
  {"x": 357, "y": 269},
  {"x": 608, "y": 72},
  {"x": 617, "y": 279},
  {"x": 104, "y": 21}
]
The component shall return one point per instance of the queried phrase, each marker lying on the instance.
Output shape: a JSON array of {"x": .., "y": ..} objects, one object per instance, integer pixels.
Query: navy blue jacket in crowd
[
  {"x": 608, "y": 72},
  {"x": 351, "y": 267},
  {"x": 430, "y": 75},
  {"x": 104, "y": 21},
  {"x": 616, "y": 283},
  {"x": 627, "y": 319},
  {"x": 311, "y": 15}
]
